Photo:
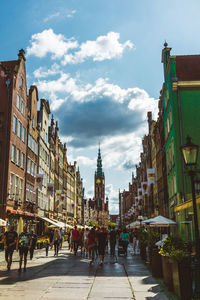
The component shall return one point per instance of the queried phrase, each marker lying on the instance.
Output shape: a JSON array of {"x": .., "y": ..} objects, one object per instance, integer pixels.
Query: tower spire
[{"x": 99, "y": 162}]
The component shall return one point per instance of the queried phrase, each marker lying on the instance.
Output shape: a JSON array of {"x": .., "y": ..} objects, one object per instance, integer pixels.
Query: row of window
[
  {"x": 44, "y": 136},
  {"x": 44, "y": 155},
  {"x": 32, "y": 144},
  {"x": 20, "y": 105},
  {"x": 17, "y": 157},
  {"x": 168, "y": 124},
  {"x": 19, "y": 129},
  {"x": 42, "y": 200},
  {"x": 30, "y": 193},
  {"x": 172, "y": 186},
  {"x": 31, "y": 167},
  {"x": 45, "y": 176},
  {"x": 16, "y": 187},
  {"x": 170, "y": 156}
]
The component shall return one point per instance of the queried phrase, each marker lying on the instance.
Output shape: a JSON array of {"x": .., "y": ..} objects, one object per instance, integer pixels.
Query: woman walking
[
  {"x": 125, "y": 240},
  {"x": 91, "y": 241},
  {"x": 56, "y": 240}
]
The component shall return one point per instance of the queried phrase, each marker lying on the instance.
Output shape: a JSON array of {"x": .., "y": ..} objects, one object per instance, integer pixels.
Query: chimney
[{"x": 21, "y": 54}]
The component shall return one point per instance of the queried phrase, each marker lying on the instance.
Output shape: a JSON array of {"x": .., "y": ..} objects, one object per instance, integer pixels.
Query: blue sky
[{"x": 99, "y": 65}]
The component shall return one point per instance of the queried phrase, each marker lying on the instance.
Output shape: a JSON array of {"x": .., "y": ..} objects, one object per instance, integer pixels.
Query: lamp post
[{"x": 190, "y": 154}]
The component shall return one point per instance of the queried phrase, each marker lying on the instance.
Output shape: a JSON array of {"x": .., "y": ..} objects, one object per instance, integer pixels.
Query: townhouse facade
[
  {"x": 169, "y": 194},
  {"x": 30, "y": 148},
  {"x": 13, "y": 139}
]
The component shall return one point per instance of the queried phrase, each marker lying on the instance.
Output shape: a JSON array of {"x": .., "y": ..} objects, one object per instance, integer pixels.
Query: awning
[
  {"x": 159, "y": 221},
  {"x": 62, "y": 224},
  {"x": 23, "y": 213},
  {"x": 2, "y": 222},
  {"x": 133, "y": 224},
  {"x": 49, "y": 221}
]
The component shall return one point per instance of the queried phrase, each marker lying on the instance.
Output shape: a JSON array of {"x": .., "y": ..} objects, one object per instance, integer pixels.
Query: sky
[{"x": 99, "y": 65}]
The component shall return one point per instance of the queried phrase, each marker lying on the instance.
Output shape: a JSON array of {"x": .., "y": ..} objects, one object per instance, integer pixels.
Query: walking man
[
  {"x": 112, "y": 237},
  {"x": 102, "y": 241},
  {"x": 34, "y": 240},
  {"x": 10, "y": 241},
  {"x": 75, "y": 239},
  {"x": 24, "y": 244}
]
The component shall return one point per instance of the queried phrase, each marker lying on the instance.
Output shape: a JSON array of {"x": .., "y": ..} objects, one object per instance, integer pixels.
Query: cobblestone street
[{"x": 70, "y": 277}]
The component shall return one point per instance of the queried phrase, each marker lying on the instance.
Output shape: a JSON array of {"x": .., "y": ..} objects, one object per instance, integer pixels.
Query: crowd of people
[{"x": 93, "y": 243}]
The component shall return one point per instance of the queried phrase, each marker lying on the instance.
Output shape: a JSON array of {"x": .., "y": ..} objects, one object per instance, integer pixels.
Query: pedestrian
[
  {"x": 75, "y": 239},
  {"x": 102, "y": 238},
  {"x": 112, "y": 239},
  {"x": 81, "y": 240},
  {"x": 24, "y": 244},
  {"x": 34, "y": 241},
  {"x": 91, "y": 241},
  {"x": 125, "y": 240},
  {"x": 56, "y": 241},
  {"x": 10, "y": 241},
  {"x": 135, "y": 241},
  {"x": 96, "y": 246},
  {"x": 51, "y": 234},
  {"x": 61, "y": 233},
  {"x": 47, "y": 244},
  {"x": 85, "y": 242}
]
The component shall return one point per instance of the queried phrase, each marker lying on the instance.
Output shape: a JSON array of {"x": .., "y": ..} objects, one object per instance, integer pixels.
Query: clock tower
[{"x": 99, "y": 184}]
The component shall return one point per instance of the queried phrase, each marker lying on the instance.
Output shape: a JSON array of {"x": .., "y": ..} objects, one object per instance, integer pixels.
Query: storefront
[{"x": 19, "y": 218}]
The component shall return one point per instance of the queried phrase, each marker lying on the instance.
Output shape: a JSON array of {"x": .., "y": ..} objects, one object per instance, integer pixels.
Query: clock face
[{"x": 98, "y": 181}]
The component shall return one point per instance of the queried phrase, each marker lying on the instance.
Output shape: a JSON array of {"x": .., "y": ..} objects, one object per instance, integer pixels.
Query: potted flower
[
  {"x": 182, "y": 275},
  {"x": 155, "y": 257},
  {"x": 176, "y": 262}
]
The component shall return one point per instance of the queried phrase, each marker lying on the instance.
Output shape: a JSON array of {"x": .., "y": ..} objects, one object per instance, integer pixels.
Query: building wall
[{"x": 44, "y": 161}]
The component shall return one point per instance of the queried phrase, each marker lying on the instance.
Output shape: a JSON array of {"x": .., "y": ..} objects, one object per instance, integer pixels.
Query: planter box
[
  {"x": 156, "y": 264},
  {"x": 167, "y": 272},
  {"x": 182, "y": 279}
]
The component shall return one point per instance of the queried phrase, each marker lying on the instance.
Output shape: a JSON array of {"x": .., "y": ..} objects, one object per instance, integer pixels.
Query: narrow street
[{"x": 69, "y": 277}]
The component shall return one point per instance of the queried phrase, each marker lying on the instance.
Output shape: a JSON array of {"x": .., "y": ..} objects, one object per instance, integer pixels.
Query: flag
[
  {"x": 144, "y": 186},
  {"x": 38, "y": 181},
  {"x": 50, "y": 188},
  {"x": 58, "y": 195},
  {"x": 151, "y": 176}
]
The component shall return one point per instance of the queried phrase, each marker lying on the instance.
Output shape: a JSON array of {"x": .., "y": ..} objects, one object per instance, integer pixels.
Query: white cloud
[
  {"x": 85, "y": 161},
  {"x": 43, "y": 72},
  {"x": 71, "y": 13},
  {"x": 105, "y": 47},
  {"x": 49, "y": 42},
  {"x": 52, "y": 16},
  {"x": 62, "y": 14},
  {"x": 112, "y": 198}
]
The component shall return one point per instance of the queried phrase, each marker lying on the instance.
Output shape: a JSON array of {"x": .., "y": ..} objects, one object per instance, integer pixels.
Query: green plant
[
  {"x": 153, "y": 237},
  {"x": 143, "y": 236},
  {"x": 179, "y": 255},
  {"x": 175, "y": 248}
]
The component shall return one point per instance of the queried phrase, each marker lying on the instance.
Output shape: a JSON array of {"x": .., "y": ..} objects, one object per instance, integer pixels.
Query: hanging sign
[
  {"x": 151, "y": 176},
  {"x": 50, "y": 188},
  {"x": 38, "y": 181},
  {"x": 144, "y": 186},
  {"x": 58, "y": 195}
]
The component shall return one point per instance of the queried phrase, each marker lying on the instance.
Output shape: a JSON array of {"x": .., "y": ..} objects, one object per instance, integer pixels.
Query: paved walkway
[{"x": 71, "y": 278}]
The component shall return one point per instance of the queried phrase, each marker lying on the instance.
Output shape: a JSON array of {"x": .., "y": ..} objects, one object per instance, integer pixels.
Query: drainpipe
[
  {"x": 181, "y": 138},
  {"x": 6, "y": 153}
]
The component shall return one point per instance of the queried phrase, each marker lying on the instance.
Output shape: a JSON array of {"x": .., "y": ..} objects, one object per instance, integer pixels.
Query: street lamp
[{"x": 190, "y": 154}]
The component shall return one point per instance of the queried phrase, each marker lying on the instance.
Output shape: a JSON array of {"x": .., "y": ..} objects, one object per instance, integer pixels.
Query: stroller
[{"x": 121, "y": 248}]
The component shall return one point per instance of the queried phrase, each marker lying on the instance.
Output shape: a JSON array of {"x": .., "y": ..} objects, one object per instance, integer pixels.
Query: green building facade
[{"x": 181, "y": 108}]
